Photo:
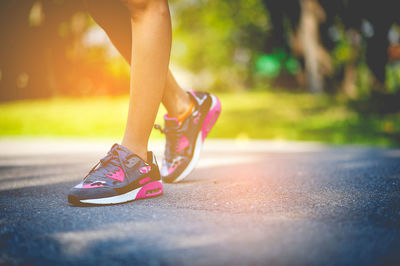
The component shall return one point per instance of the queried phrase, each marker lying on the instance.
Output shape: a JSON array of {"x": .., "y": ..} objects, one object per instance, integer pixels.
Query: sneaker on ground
[
  {"x": 119, "y": 177},
  {"x": 184, "y": 140}
]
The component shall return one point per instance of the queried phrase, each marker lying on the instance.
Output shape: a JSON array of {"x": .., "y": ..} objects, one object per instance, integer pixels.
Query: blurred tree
[
  {"x": 43, "y": 52},
  {"x": 227, "y": 44},
  {"x": 29, "y": 34},
  {"x": 219, "y": 40}
]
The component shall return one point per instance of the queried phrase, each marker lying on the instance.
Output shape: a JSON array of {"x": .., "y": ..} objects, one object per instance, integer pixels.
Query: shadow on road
[{"x": 334, "y": 206}]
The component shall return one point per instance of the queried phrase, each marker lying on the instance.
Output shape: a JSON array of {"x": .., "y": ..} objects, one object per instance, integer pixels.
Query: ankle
[
  {"x": 189, "y": 110},
  {"x": 139, "y": 150},
  {"x": 182, "y": 108}
]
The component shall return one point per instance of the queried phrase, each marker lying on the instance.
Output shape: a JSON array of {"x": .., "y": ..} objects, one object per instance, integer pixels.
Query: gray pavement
[{"x": 247, "y": 203}]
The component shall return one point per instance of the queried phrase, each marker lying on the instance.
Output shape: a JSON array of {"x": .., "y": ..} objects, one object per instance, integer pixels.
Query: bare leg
[
  {"x": 151, "y": 45},
  {"x": 115, "y": 19},
  {"x": 175, "y": 99}
]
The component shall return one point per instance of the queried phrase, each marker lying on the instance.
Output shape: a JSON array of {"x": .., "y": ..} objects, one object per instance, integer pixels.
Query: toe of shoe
[
  {"x": 73, "y": 199},
  {"x": 76, "y": 195}
]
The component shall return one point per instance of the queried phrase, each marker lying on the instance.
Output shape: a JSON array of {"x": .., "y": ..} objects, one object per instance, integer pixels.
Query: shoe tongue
[
  {"x": 123, "y": 151},
  {"x": 170, "y": 122}
]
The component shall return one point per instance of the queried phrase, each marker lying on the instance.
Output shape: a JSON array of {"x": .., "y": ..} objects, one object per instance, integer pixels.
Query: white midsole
[
  {"x": 128, "y": 196},
  {"x": 197, "y": 150}
]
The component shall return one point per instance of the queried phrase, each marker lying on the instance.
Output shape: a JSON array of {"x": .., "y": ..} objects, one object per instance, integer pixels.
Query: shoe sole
[
  {"x": 152, "y": 189},
  {"x": 208, "y": 123}
]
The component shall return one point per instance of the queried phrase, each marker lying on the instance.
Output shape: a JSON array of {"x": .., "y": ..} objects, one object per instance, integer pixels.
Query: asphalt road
[{"x": 247, "y": 203}]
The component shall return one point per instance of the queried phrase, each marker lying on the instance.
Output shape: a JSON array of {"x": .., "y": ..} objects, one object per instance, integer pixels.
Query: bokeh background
[{"x": 317, "y": 70}]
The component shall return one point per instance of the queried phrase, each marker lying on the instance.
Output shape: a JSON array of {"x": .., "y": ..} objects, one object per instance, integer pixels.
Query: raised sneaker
[
  {"x": 120, "y": 176},
  {"x": 185, "y": 139}
]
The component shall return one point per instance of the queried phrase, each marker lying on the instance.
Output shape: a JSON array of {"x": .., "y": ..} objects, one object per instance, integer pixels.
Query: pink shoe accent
[
  {"x": 210, "y": 119},
  {"x": 183, "y": 144},
  {"x": 145, "y": 169},
  {"x": 193, "y": 93},
  {"x": 156, "y": 186},
  {"x": 118, "y": 175},
  {"x": 144, "y": 180},
  {"x": 173, "y": 167},
  {"x": 92, "y": 185}
]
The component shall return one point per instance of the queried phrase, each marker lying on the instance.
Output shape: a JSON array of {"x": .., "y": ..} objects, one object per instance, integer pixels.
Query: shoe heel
[
  {"x": 149, "y": 190},
  {"x": 211, "y": 117}
]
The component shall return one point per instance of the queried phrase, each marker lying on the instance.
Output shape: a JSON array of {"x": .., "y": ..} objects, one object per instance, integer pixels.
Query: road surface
[{"x": 247, "y": 203}]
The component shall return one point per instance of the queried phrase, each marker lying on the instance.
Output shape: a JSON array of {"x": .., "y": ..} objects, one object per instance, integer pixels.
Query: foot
[
  {"x": 119, "y": 177},
  {"x": 185, "y": 139}
]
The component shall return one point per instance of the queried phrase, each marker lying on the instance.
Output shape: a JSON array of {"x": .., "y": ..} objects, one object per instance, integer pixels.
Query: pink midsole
[{"x": 155, "y": 185}]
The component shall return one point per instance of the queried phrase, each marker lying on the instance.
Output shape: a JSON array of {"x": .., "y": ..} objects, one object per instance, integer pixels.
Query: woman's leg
[
  {"x": 151, "y": 45},
  {"x": 196, "y": 114},
  {"x": 115, "y": 19}
]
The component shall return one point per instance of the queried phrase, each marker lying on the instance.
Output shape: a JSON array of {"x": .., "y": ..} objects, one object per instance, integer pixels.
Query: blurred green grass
[{"x": 258, "y": 115}]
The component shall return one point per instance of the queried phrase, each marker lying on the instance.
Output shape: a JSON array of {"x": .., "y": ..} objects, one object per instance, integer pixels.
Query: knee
[
  {"x": 136, "y": 5},
  {"x": 139, "y": 7}
]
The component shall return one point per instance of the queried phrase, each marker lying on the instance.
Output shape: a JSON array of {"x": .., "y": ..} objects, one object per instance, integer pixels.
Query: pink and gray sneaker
[
  {"x": 184, "y": 140},
  {"x": 119, "y": 177}
]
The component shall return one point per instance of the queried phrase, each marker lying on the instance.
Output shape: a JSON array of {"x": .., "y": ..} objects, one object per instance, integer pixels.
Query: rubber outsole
[{"x": 155, "y": 188}]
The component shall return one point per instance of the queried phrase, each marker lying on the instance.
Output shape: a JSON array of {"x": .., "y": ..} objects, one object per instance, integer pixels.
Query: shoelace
[
  {"x": 111, "y": 159},
  {"x": 173, "y": 135}
]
